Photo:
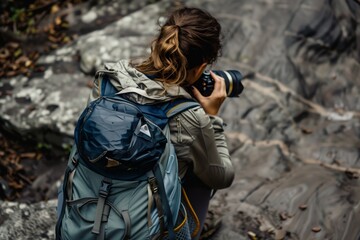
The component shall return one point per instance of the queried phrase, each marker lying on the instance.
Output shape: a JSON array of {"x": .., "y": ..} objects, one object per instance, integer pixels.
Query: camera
[{"x": 232, "y": 78}]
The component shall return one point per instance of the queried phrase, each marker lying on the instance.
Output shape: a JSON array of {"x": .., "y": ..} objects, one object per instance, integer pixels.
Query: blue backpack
[{"x": 122, "y": 179}]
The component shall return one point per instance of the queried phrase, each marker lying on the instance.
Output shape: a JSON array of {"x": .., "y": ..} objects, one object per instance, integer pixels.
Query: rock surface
[
  {"x": 293, "y": 134},
  {"x": 23, "y": 221}
]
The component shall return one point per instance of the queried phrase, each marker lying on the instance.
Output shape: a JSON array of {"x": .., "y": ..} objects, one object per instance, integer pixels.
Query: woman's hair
[{"x": 189, "y": 38}]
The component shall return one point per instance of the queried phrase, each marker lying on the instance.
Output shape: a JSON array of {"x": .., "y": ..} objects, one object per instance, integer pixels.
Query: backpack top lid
[{"x": 114, "y": 136}]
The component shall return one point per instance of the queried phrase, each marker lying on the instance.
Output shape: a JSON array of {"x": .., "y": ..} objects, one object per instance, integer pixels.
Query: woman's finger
[{"x": 219, "y": 84}]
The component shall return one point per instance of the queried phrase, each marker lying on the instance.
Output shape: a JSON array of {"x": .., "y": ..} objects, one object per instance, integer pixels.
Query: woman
[{"x": 186, "y": 44}]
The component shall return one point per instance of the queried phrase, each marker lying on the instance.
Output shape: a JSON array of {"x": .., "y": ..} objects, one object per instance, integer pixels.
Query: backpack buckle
[
  {"x": 153, "y": 184},
  {"x": 105, "y": 188}
]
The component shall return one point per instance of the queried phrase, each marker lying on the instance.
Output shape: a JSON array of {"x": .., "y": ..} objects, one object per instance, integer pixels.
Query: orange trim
[
  {"x": 192, "y": 212},
  {"x": 176, "y": 229}
]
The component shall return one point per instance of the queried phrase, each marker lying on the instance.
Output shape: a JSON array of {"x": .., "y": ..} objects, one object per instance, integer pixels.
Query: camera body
[{"x": 232, "y": 78}]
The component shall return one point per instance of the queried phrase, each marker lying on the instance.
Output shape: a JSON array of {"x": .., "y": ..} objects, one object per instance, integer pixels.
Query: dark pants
[{"x": 199, "y": 196}]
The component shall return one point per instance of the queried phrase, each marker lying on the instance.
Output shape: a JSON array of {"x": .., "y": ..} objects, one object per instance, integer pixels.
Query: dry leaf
[
  {"x": 303, "y": 207},
  {"x": 58, "y": 21},
  {"x": 283, "y": 216},
  {"x": 251, "y": 235},
  {"x": 316, "y": 229},
  {"x": 55, "y": 8},
  {"x": 28, "y": 63}
]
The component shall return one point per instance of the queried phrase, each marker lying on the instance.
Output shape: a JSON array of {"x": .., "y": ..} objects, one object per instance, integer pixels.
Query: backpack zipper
[{"x": 178, "y": 126}]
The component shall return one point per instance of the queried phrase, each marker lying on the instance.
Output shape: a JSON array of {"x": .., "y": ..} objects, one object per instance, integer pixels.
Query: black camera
[{"x": 205, "y": 84}]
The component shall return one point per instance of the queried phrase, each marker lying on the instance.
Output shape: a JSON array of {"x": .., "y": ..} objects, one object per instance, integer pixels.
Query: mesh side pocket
[
  {"x": 192, "y": 225},
  {"x": 192, "y": 219},
  {"x": 182, "y": 230}
]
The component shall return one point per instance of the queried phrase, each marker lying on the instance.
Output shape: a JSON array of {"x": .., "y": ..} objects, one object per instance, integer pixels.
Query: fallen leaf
[
  {"x": 53, "y": 39},
  {"x": 17, "y": 53},
  {"x": 4, "y": 53},
  {"x": 58, "y": 20},
  {"x": 283, "y": 216},
  {"x": 10, "y": 73},
  {"x": 303, "y": 207},
  {"x": 316, "y": 229},
  {"x": 16, "y": 185},
  {"x": 66, "y": 39},
  {"x": 54, "y": 46},
  {"x": 22, "y": 59},
  {"x": 13, "y": 45},
  {"x": 251, "y": 235},
  {"x": 55, "y": 8},
  {"x": 65, "y": 25},
  {"x": 34, "y": 55},
  {"x": 24, "y": 70},
  {"x": 28, "y": 63}
]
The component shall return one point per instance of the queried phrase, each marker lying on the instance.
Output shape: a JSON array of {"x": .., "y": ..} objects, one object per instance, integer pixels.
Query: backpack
[{"x": 122, "y": 179}]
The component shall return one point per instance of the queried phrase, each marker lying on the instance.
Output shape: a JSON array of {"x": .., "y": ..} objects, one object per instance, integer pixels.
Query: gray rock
[
  {"x": 47, "y": 107},
  {"x": 293, "y": 134},
  {"x": 23, "y": 221}
]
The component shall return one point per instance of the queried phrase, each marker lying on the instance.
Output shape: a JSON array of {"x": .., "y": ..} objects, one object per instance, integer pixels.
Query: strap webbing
[
  {"x": 105, "y": 216},
  {"x": 103, "y": 193},
  {"x": 158, "y": 203},
  {"x": 165, "y": 202},
  {"x": 179, "y": 105},
  {"x": 126, "y": 217},
  {"x": 150, "y": 204}
]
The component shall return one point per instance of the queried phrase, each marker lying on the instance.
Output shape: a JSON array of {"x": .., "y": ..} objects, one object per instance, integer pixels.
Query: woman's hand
[{"x": 212, "y": 103}]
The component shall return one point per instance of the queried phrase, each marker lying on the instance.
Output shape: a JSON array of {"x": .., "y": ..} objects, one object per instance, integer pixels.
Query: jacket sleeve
[{"x": 200, "y": 141}]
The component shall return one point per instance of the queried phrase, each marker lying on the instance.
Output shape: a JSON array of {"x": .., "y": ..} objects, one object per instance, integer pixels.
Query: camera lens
[
  {"x": 232, "y": 78},
  {"x": 232, "y": 81}
]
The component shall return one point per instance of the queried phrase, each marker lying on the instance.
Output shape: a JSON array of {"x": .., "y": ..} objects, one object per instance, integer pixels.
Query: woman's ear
[
  {"x": 195, "y": 73},
  {"x": 201, "y": 69}
]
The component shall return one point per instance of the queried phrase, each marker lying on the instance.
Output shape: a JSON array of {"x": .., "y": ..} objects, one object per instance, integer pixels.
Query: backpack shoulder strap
[
  {"x": 105, "y": 86},
  {"x": 165, "y": 204},
  {"x": 179, "y": 105},
  {"x": 172, "y": 107}
]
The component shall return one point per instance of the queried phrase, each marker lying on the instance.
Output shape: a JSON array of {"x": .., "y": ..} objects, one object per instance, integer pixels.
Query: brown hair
[{"x": 189, "y": 38}]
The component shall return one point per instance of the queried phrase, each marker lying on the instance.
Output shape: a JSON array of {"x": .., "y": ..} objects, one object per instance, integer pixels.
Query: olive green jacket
[{"x": 198, "y": 138}]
